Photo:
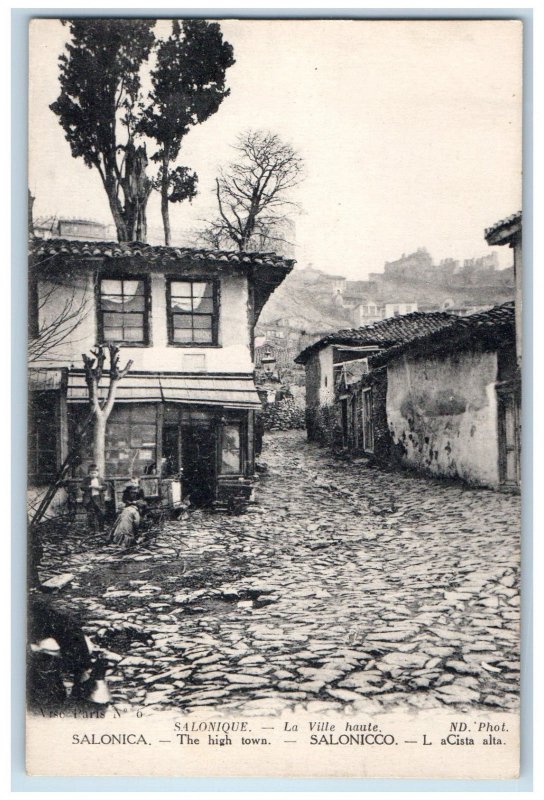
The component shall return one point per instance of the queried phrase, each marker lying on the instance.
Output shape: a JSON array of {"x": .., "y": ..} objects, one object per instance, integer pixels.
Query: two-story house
[{"x": 186, "y": 318}]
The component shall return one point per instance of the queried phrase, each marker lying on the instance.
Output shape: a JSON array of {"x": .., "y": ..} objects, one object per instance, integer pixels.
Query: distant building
[
  {"x": 409, "y": 266},
  {"x": 71, "y": 229},
  {"x": 366, "y": 313},
  {"x": 326, "y": 358},
  {"x": 398, "y": 309}
]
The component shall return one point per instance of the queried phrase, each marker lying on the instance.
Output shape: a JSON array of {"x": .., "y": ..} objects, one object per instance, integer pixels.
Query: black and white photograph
[{"x": 274, "y": 397}]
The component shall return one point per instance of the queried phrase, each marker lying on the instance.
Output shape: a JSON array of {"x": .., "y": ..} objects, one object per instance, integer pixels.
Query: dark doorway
[
  {"x": 171, "y": 446},
  {"x": 198, "y": 449}
]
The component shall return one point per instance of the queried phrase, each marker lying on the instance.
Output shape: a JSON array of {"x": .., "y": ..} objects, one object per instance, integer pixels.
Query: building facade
[
  {"x": 446, "y": 403},
  {"x": 186, "y": 319},
  {"x": 333, "y": 361},
  {"x": 453, "y": 404}
]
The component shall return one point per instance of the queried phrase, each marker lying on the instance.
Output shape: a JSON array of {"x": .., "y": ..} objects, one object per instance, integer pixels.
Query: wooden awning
[{"x": 236, "y": 391}]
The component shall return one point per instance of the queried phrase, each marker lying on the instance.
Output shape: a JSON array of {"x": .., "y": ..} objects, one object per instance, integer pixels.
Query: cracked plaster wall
[{"x": 442, "y": 414}]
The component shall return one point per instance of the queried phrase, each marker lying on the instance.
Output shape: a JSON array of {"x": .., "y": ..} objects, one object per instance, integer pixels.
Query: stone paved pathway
[{"x": 343, "y": 587}]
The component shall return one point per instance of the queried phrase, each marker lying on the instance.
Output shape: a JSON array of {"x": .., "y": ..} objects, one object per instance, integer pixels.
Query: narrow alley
[{"x": 342, "y": 587}]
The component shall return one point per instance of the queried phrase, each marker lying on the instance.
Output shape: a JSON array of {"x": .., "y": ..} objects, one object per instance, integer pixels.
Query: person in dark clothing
[
  {"x": 132, "y": 492},
  {"x": 94, "y": 490}
]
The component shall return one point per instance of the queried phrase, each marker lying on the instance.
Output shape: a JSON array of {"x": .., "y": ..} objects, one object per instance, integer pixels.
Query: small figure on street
[
  {"x": 127, "y": 524},
  {"x": 94, "y": 489},
  {"x": 132, "y": 491}
]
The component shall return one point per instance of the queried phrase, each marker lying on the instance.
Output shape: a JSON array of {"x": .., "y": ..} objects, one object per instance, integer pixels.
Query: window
[
  {"x": 123, "y": 313},
  {"x": 192, "y": 312},
  {"x": 231, "y": 461},
  {"x": 131, "y": 439}
]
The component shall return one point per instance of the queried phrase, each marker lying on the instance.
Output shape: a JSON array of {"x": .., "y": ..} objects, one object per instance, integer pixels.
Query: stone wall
[
  {"x": 442, "y": 414},
  {"x": 283, "y": 415},
  {"x": 323, "y": 424}
]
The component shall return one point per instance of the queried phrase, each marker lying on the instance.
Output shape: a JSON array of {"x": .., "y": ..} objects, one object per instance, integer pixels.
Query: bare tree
[
  {"x": 50, "y": 334},
  {"x": 101, "y": 410},
  {"x": 48, "y": 329},
  {"x": 253, "y": 192}
]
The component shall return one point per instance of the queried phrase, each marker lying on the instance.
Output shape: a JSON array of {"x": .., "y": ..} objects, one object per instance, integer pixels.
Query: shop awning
[{"x": 237, "y": 391}]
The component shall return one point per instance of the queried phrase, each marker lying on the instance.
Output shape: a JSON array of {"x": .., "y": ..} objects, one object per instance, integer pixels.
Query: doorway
[
  {"x": 171, "y": 448},
  {"x": 199, "y": 453},
  {"x": 345, "y": 422},
  {"x": 509, "y": 435}
]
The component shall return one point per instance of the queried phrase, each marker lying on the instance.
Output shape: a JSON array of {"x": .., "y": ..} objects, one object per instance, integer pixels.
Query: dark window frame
[
  {"x": 170, "y": 313},
  {"x": 146, "y": 312},
  {"x": 239, "y": 422}
]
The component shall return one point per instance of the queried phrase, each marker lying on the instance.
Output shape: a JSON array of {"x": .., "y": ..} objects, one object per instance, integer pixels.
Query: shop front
[{"x": 193, "y": 430}]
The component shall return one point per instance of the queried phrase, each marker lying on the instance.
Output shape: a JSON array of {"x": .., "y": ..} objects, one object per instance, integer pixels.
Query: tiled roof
[
  {"x": 384, "y": 333},
  {"x": 501, "y": 231},
  {"x": 486, "y": 326},
  {"x": 153, "y": 253}
]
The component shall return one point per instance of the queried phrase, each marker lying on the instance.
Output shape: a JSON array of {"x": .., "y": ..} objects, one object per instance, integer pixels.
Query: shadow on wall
[{"x": 421, "y": 405}]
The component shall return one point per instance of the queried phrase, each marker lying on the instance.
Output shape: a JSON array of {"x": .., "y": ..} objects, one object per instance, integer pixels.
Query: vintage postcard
[{"x": 274, "y": 384}]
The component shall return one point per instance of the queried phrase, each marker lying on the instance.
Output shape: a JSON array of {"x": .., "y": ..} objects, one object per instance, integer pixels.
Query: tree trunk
[
  {"x": 165, "y": 212},
  {"x": 116, "y": 209},
  {"x": 141, "y": 224},
  {"x": 99, "y": 444}
]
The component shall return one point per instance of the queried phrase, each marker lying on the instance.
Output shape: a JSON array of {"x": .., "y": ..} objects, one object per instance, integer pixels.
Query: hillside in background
[
  {"x": 314, "y": 301},
  {"x": 311, "y": 303}
]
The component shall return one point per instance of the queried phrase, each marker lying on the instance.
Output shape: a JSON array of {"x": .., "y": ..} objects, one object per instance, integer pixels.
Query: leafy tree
[
  {"x": 253, "y": 191},
  {"x": 98, "y": 110},
  {"x": 188, "y": 86}
]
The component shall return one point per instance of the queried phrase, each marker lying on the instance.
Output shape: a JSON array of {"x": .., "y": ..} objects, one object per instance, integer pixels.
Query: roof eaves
[
  {"x": 383, "y": 333},
  {"x": 497, "y": 320},
  {"x": 503, "y": 231},
  {"x": 153, "y": 253}
]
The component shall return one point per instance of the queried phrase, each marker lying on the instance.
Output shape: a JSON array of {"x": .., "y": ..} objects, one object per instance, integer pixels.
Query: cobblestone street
[{"x": 342, "y": 587}]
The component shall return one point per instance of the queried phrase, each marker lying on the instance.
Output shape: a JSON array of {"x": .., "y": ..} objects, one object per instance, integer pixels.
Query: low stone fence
[{"x": 283, "y": 415}]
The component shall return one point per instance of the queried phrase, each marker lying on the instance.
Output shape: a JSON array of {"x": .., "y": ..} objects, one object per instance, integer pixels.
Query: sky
[{"x": 410, "y": 133}]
